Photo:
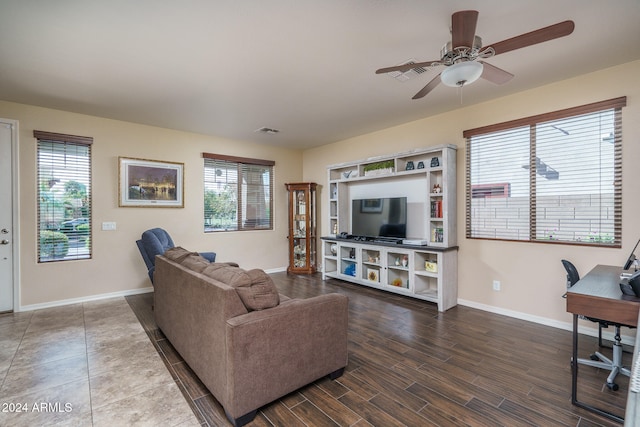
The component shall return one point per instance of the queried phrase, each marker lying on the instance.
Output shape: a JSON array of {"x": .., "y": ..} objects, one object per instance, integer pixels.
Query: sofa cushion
[
  {"x": 195, "y": 263},
  {"x": 178, "y": 254},
  {"x": 232, "y": 276}
]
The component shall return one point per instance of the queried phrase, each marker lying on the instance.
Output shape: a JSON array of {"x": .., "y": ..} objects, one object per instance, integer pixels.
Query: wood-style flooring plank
[
  {"x": 391, "y": 386},
  {"x": 538, "y": 413},
  {"x": 370, "y": 412},
  {"x": 393, "y": 405},
  {"x": 330, "y": 406},
  {"x": 446, "y": 412},
  {"x": 279, "y": 415},
  {"x": 356, "y": 385},
  {"x": 312, "y": 416},
  {"x": 457, "y": 390},
  {"x": 500, "y": 417}
]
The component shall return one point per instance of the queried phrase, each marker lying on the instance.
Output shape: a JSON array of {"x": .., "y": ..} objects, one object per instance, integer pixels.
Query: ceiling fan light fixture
[{"x": 461, "y": 74}]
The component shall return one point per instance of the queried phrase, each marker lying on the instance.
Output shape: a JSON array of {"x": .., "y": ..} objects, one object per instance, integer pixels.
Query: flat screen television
[{"x": 381, "y": 217}]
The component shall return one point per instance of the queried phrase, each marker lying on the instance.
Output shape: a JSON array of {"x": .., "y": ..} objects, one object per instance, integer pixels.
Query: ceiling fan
[{"x": 463, "y": 55}]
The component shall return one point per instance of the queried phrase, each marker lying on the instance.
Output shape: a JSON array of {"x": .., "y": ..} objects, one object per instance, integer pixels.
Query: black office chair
[
  {"x": 597, "y": 359},
  {"x": 572, "y": 277}
]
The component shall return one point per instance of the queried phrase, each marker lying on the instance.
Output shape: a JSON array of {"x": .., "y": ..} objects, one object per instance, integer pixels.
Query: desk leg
[
  {"x": 574, "y": 362},
  {"x": 574, "y": 379}
]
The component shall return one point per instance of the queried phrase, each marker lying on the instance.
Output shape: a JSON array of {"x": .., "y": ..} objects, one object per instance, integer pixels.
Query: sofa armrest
[{"x": 276, "y": 351}]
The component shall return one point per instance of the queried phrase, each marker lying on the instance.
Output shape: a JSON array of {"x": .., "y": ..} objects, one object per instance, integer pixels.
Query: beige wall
[
  {"x": 116, "y": 265},
  {"x": 531, "y": 274}
]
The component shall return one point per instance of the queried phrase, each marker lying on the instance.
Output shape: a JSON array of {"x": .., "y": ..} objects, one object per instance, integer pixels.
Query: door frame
[{"x": 15, "y": 211}]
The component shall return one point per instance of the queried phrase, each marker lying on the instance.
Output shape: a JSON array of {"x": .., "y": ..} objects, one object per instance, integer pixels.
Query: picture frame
[
  {"x": 150, "y": 183},
  {"x": 373, "y": 275},
  {"x": 371, "y": 205}
]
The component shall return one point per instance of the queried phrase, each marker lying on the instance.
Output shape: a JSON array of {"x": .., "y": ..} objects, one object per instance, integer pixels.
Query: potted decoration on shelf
[
  {"x": 379, "y": 168},
  {"x": 396, "y": 282},
  {"x": 431, "y": 266}
]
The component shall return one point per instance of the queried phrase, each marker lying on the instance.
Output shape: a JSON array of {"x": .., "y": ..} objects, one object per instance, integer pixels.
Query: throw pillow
[{"x": 261, "y": 293}]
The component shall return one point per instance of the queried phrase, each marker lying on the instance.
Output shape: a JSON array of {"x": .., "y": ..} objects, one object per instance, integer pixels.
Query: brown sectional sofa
[{"x": 247, "y": 344}]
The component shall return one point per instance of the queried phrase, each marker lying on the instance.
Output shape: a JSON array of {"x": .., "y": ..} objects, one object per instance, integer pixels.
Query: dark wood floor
[{"x": 411, "y": 365}]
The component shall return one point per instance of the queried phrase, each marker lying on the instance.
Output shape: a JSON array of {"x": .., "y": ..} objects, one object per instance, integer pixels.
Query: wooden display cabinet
[{"x": 302, "y": 227}]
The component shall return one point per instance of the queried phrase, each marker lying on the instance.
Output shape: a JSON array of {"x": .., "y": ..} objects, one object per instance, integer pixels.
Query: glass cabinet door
[{"x": 302, "y": 227}]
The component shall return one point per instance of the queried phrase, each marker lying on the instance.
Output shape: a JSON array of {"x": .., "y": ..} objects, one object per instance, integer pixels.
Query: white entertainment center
[{"x": 424, "y": 264}]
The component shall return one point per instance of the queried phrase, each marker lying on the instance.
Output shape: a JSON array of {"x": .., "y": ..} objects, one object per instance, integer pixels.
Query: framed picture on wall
[{"x": 150, "y": 183}]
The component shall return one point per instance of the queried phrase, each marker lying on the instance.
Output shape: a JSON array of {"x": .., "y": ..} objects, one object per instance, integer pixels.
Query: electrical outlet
[
  {"x": 496, "y": 285},
  {"x": 108, "y": 226}
]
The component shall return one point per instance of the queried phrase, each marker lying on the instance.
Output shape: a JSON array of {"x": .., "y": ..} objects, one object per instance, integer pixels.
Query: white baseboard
[
  {"x": 85, "y": 299},
  {"x": 567, "y": 326},
  {"x": 59, "y": 303}
]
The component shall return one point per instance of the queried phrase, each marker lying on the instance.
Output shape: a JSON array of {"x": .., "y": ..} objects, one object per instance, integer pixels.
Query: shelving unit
[
  {"x": 398, "y": 268},
  {"x": 401, "y": 269}
]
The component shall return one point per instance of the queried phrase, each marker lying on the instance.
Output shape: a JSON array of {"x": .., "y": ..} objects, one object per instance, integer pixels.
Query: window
[
  {"x": 64, "y": 196},
  {"x": 237, "y": 193},
  {"x": 555, "y": 177}
]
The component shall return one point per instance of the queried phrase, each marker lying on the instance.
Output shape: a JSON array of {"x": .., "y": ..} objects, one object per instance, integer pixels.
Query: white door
[{"x": 8, "y": 134}]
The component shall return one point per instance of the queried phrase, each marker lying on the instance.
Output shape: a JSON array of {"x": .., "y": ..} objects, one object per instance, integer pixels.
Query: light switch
[{"x": 108, "y": 226}]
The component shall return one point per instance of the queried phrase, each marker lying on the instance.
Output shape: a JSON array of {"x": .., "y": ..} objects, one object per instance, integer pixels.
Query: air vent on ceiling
[
  {"x": 407, "y": 75},
  {"x": 270, "y": 131}
]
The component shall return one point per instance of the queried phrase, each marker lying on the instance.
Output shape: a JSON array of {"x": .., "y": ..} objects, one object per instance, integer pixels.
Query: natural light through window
[
  {"x": 64, "y": 197},
  {"x": 555, "y": 180},
  {"x": 237, "y": 193}
]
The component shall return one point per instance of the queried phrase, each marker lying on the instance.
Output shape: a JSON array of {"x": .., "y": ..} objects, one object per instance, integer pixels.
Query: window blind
[
  {"x": 237, "y": 193},
  {"x": 555, "y": 177},
  {"x": 64, "y": 196}
]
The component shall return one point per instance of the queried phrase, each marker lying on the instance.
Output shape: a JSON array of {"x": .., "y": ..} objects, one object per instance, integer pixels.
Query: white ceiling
[{"x": 305, "y": 67}]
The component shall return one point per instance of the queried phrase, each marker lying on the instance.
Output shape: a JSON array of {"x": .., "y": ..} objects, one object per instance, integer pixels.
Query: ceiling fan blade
[
  {"x": 494, "y": 74},
  {"x": 463, "y": 28},
  {"x": 406, "y": 67},
  {"x": 551, "y": 32},
  {"x": 428, "y": 88}
]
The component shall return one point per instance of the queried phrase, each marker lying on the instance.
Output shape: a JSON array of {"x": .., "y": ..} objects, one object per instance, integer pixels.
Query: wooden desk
[{"x": 598, "y": 295}]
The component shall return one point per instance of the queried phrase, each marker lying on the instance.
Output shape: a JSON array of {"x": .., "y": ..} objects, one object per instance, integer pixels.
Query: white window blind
[
  {"x": 555, "y": 177},
  {"x": 64, "y": 196},
  {"x": 237, "y": 193}
]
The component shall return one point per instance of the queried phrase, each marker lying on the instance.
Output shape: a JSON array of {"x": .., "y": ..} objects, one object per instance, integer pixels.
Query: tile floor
[{"x": 66, "y": 366}]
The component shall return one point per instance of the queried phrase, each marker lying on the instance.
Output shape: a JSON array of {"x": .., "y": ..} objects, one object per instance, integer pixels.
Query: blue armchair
[{"x": 155, "y": 242}]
